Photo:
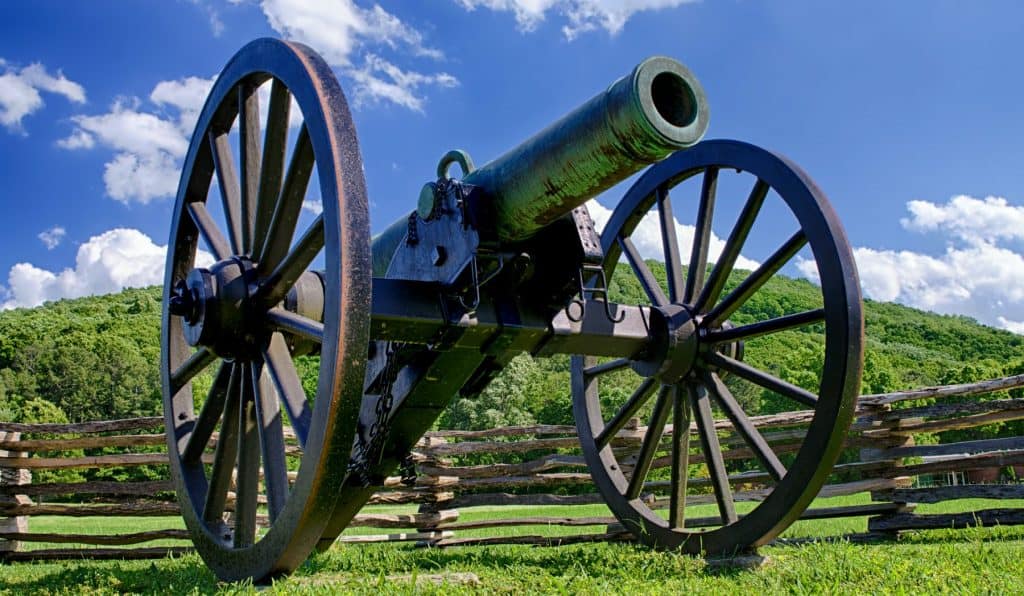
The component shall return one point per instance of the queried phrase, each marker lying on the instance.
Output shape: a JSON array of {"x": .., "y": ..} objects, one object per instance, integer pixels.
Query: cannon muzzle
[{"x": 656, "y": 110}]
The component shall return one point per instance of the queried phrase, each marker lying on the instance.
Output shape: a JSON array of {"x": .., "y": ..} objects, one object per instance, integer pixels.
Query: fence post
[
  {"x": 437, "y": 505},
  {"x": 890, "y": 435},
  {"x": 11, "y": 475}
]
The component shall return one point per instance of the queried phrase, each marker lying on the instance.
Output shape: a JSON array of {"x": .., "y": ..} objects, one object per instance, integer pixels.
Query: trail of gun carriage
[{"x": 327, "y": 396}]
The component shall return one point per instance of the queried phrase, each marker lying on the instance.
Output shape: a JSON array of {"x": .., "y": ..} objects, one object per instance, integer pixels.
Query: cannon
[{"x": 269, "y": 464}]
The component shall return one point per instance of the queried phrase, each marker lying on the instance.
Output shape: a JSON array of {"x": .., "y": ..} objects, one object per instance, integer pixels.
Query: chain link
[{"x": 366, "y": 453}]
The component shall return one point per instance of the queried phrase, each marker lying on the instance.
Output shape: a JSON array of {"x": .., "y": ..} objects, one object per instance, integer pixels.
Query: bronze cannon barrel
[{"x": 655, "y": 110}]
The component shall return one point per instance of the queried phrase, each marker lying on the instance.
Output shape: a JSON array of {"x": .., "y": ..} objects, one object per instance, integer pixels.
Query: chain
[
  {"x": 368, "y": 452},
  {"x": 407, "y": 470},
  {"x": 412, "y": 237}
]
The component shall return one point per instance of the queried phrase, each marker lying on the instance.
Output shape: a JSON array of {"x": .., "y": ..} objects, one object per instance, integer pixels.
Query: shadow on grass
[
  {"x": 916, "y": 537},
  {"x": 167, "y": 576},
  {"x": 609, "y": 561}
]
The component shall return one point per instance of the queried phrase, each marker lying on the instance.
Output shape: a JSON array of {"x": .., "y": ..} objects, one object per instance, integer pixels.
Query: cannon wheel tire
[
  {"x": 257, "y": 463},
  {"x": 699, "y": 394}
]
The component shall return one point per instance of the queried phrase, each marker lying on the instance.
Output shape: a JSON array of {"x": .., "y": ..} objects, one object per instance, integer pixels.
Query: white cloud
[
  {"x": 647, "y": 237},
  {"x": 397, "y": 86},
  {"x": 341, "y": 30},
  {"x": 79, "y": 139},
  {"x": 212, "y": 15},
  {"x": 967, "y": 218},
  {"x": 337, "y": 27},
  {"x": 141, "y": 177},
  {"x": 149, "y": 144},
  {"x": 1014, "y": 326},
  {"x": 114, "y": 260},
  {"x": 186, "y": 96},
  {"x": 126, "y": 128},
  {"x": 314, "y": 206},
  {"x": 19, "y": 92},
  {"x": 580, "y": 15},
  {"x": 52, "y": 238},
  {"x": 975, "y": 276}
]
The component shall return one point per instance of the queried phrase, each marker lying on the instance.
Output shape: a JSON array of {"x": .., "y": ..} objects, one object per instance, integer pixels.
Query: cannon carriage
[{"x": 502, "y": 261}]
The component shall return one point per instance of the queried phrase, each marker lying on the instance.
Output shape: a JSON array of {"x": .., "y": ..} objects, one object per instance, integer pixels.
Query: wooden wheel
[
  {"x": 700, "y": 358},
  {"x": 229, "y": 318}
]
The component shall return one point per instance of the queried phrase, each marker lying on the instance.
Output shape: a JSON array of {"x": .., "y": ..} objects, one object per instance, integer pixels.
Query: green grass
[{"x": 977, "y": 560}]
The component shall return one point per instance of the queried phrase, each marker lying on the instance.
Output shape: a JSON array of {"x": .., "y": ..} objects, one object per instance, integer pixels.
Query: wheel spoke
[
  {"x": 655, "y": 428},
  {"x": 712, "y": 452},
  {"x": 647, "y": 280},
  {"x": 733, "y": 246},
  {"x": 209, "y": 231},
  {"x": 225, "y": 452},
  {"x": 224, "y": 163},
  {"x": 249, "y": 146},
  {"x": 289, "y": 386},
  {"x": 195, "y": 364},
  {"x": 701, "y": 236},
  {"x": 275, "y": 145},
  {"x": 635, "y": 402},
  {"x": 288, "y": 205},
  {"x": 209, "y": 416},
  {"x": 745, "y": 427},
  {"x": 247, "y": 484},
  {"x": 670, "y": 244},
  {"x": 606, "y": 367},
  {"x": 763, "y": 379},
  {"x": 680, "y": 459},
  {"x": 285, "y": 320},
  {"x": 724, "y": 309},
  {"x": 271, "y": 431},
  {"x": 766, "y": 327},
  {"x": 273, "y": 289}
]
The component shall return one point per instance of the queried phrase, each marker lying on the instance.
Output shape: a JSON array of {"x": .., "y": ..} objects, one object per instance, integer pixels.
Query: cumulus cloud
[
  {"x": 580, "y": 15},
  {"x": 185, "y": 96},
  {"x": 341, "y": 31},
  {"x": 968, "y": 219},
  {"x": 114, "y": 260},
  {"x": 77, "y": 140},
  {"x": 975, "y": 276},
  {"x": 52, "y": 238},
  {"x": 149, "y": 141},
  {"x": 20, "y": 92},
  {"x": 396, "y": 85},
  {"x": 647, "y": 237}
]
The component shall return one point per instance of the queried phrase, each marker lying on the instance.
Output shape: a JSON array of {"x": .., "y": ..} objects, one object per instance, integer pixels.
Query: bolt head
[{"x": 425, "y": 205}]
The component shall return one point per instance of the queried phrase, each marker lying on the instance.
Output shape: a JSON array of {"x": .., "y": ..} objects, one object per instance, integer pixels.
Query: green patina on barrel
[{"x": 655, "y": 110}]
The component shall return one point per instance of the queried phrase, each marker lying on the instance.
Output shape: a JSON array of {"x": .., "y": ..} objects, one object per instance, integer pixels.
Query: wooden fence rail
[{"x": 543, "y": 467}]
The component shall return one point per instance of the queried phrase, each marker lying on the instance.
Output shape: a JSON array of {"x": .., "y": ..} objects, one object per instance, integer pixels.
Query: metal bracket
[
  {"x": 475, "y": 283},
  {"x": 598, "y": 290}
]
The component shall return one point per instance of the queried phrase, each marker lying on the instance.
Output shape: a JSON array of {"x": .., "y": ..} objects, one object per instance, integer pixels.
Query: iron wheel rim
[
  {"x": 840, "y": 380},
  {"x": 345, "y": 247}
]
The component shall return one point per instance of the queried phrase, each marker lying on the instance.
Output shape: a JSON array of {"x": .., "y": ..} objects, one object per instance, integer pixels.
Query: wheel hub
[
  {"x": 216, "y": 307},
  {"x": 677, "y": 341},
  {"x": 674, "y": 347}
]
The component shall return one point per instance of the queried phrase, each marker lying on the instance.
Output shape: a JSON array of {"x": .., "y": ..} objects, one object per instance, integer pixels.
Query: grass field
[{"x": 979, "y": 560}]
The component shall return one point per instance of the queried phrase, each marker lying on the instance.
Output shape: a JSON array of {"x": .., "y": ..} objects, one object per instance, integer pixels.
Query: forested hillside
[{"x": 96, "y": 357}]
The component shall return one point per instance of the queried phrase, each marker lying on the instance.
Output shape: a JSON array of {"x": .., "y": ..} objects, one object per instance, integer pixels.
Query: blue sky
[{"x": 907, "y": 114}]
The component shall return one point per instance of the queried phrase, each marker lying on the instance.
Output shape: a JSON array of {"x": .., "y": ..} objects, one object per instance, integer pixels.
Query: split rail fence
[{"x": 548, "y": 471}]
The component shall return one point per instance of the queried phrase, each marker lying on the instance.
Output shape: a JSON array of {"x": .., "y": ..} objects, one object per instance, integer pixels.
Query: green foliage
[
  {"x": 93, "y": 358},
  {"x": 97, "y": 357},
  {"x": 505, "y": 401}
]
